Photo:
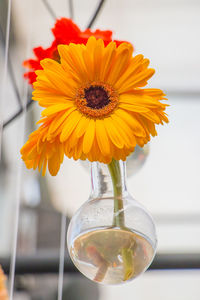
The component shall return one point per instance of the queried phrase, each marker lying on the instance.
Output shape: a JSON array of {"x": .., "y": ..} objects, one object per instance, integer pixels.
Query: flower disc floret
[{"x": 96, "y": 99}]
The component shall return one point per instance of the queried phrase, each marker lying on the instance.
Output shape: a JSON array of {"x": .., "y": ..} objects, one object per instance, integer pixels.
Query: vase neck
[{"x": 108, "y": 180}]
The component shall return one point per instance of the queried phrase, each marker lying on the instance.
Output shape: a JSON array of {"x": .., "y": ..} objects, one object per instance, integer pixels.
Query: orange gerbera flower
[
  {"x": 95, "y": 106},
  {"x": 65, "y": 31},
  {"x": 3, "y": 290}
]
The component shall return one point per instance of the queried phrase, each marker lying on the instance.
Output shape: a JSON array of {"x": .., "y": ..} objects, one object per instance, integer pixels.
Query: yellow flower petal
[
  {"x": 102, "y": 137},
  {"x": 113, "y": 133},
  {"x": 131, "y": 71},
  {"x": 139, "y": 79},
  {"x": 97, "y": 58},
  {"x": 108, "y": 57},
  {"x": 53, "y": 109},
  {"x": 134, "y": 108},
  {"x": 125, "y": 130},
  {"x": 59, "y": 120},
  {"x": 54, "y": 164},
  {"x": 89, "y": 136},
  {"x": 129, "y": 118},
  {"x": 121, "y": 62},
  {"x": 82, "y": 126},
  {"x": 69, "y": 125}
]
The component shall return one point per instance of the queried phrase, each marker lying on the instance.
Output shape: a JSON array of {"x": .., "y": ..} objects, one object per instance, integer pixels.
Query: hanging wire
[
  {"x": 18, "y": 113},
  {"x": 49, "y": 8},
  {"x": 10, "y": 70},
  {"x": 97, "y": 11},
  {"x": 5, "y": 71}
]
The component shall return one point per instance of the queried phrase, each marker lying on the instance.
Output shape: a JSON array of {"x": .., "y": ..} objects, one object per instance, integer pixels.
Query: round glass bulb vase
[{"x": 111, "y": 238}]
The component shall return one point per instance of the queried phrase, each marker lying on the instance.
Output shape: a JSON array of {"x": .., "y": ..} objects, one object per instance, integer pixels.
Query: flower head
[
  {"x": 65, "y": 32},
  {"x": 95, "y": 106}
]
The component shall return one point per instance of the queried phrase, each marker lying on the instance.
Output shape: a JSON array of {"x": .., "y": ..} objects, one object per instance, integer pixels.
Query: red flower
[{"x": 65, "y": 32}]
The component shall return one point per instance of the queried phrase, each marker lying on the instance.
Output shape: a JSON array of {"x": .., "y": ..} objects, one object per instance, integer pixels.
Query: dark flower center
[{"x": 96, "y": 97}]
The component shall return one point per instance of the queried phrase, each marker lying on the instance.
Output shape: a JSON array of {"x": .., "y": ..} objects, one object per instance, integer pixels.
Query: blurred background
[{"x": 168, "y": 184}]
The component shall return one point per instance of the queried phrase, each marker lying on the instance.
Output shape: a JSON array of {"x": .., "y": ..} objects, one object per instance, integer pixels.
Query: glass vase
[{"x": 111, "y": 238}]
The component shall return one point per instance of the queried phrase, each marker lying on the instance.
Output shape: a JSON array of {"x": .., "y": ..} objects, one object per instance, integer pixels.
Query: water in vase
[{"x": 111, "y": 256}]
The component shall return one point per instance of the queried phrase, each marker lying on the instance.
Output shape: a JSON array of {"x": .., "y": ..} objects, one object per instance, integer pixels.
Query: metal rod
[
  {"x": 71, "y": 9},
  {"x": 17, "y": 204},
  {"x": 5, "y": 71},
  {"x": 19, "y": 174},
  {"x": 62, "y": 256}
]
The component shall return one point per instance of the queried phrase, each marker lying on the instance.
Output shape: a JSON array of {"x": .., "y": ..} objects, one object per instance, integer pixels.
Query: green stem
[
  {"x": 114, "y": 168},
  {"x": 118, "y": 219},
  {"x": 127, "y": 256}
]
